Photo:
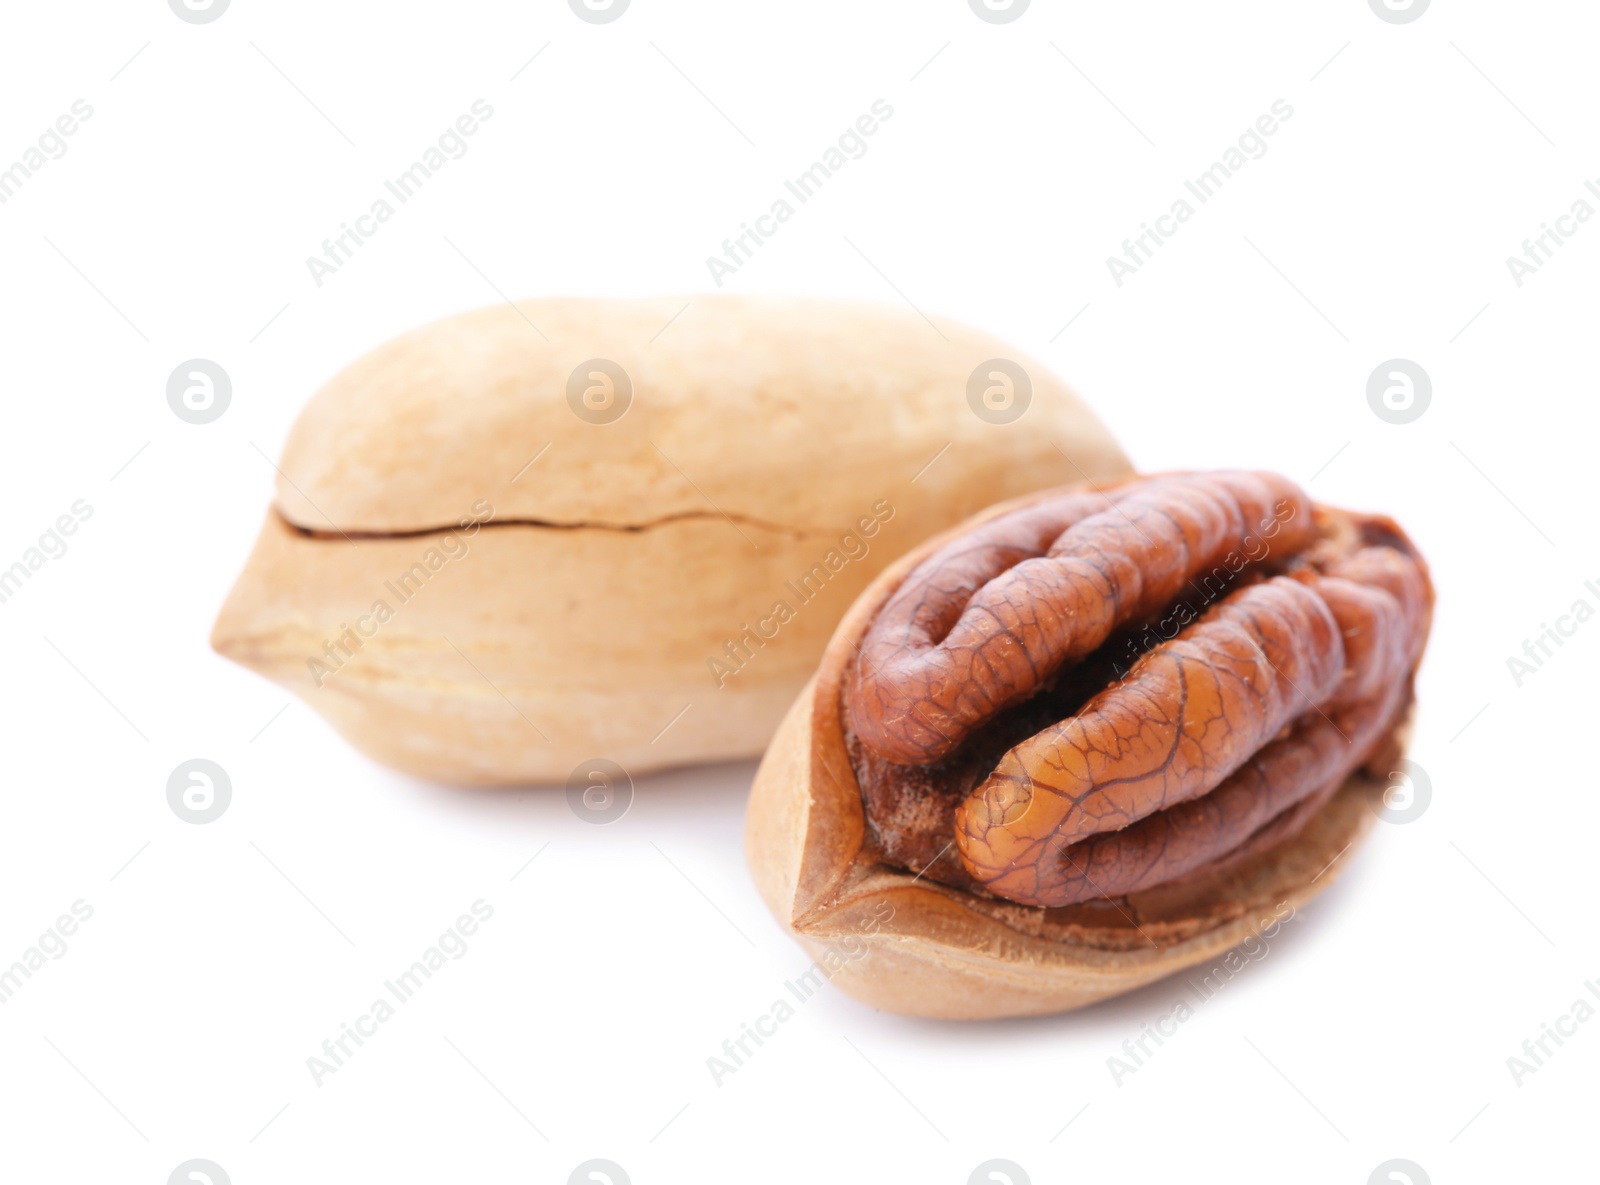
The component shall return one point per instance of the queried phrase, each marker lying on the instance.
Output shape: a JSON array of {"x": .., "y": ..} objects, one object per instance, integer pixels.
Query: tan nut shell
[
  {"x": 907, "y": 945},
  {"x": 581, "y": 621}
]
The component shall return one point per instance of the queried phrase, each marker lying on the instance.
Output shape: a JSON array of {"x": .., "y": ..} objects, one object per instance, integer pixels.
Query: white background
[{"x": 177, "y": 225}]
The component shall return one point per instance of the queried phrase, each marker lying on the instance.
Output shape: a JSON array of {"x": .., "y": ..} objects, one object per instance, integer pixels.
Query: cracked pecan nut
[
  {"x": 1089, "y": 738},
  {"x": 525, "y": 537}
]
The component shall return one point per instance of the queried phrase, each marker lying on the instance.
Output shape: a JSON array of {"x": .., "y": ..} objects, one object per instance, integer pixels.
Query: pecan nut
[
  {"x": 496, "y": 552},
  {"x": 1141, "y": 701}
]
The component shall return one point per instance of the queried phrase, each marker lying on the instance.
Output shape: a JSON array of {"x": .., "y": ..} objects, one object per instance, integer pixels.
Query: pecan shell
[{"x": 590, "y": 568}]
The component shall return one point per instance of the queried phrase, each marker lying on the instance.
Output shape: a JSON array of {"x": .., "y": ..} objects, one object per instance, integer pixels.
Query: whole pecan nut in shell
[
  {"x": 1106, "y": 724},
  {"x": 480, "y": 575}
]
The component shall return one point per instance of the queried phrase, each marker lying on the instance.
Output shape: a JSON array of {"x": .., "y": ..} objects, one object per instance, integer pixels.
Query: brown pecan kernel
[
  {"x": 986, "y": 622},
  {"x": 992, "y": 706}
]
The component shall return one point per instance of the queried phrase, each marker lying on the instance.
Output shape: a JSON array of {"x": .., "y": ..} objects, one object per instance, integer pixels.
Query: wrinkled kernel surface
[{"x": 987, "y": 681}]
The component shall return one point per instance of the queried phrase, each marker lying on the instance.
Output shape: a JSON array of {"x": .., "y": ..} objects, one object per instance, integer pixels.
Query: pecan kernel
[{"x": 1223, "y": 736}]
